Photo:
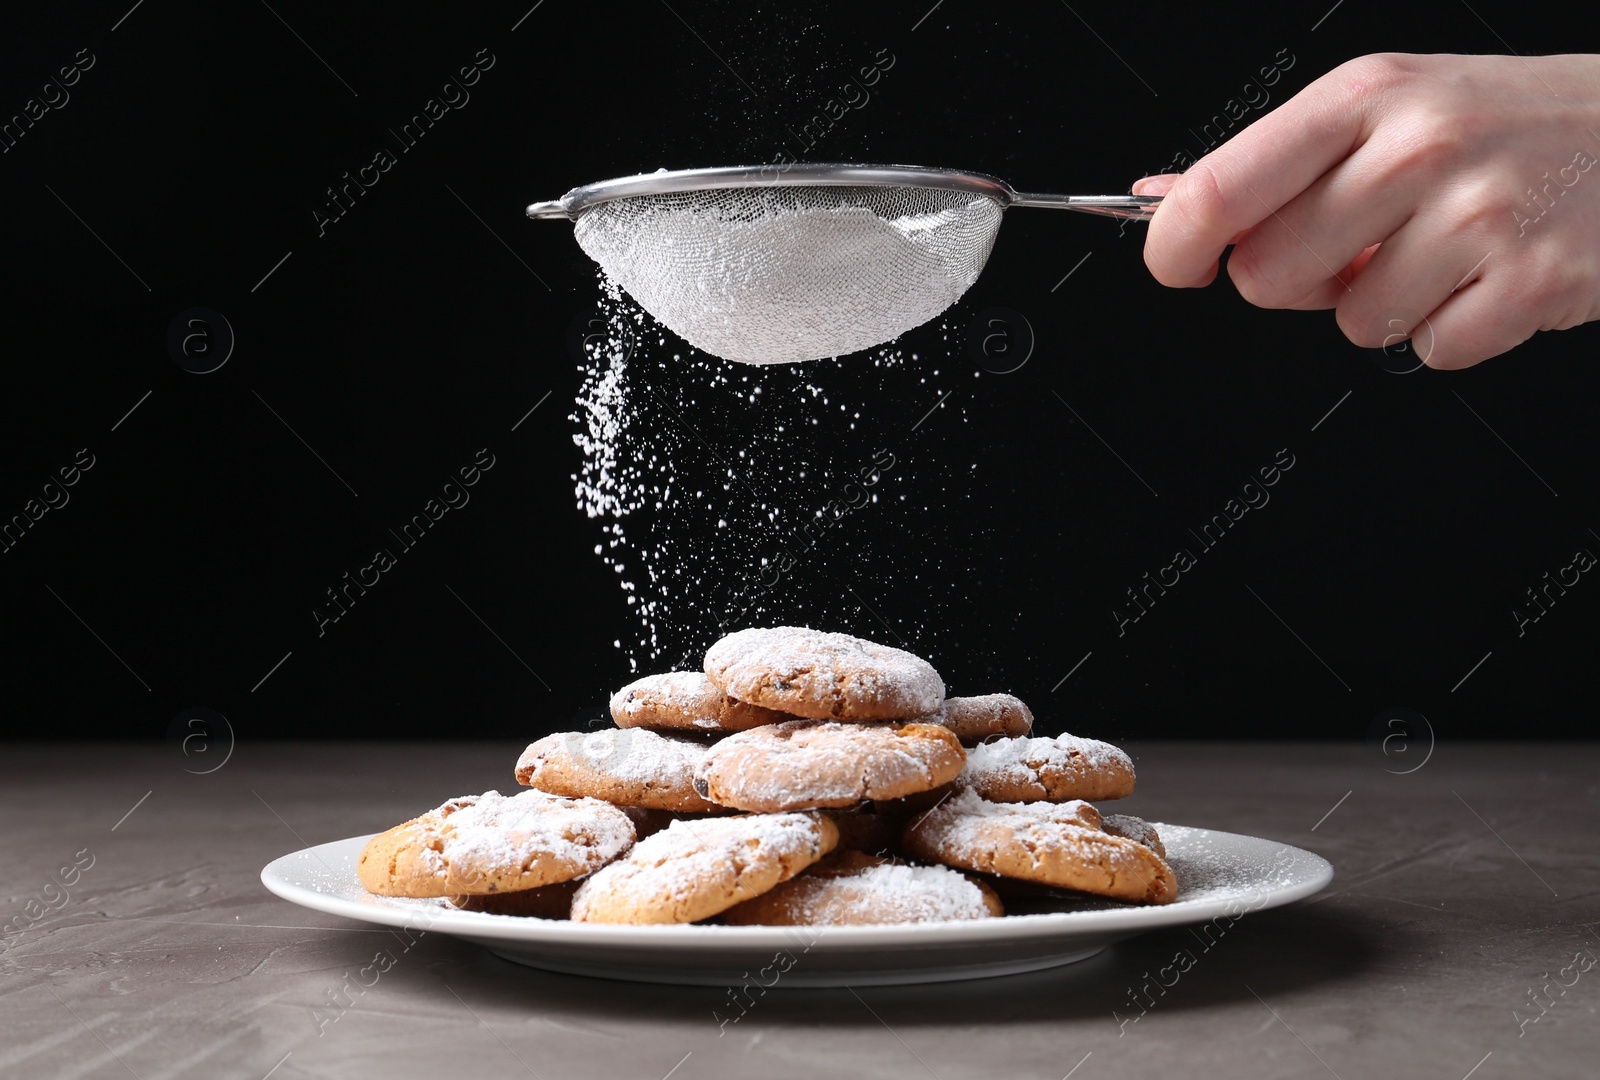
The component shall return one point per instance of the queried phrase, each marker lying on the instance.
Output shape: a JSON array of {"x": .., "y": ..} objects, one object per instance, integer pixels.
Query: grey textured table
[{"x": 1455, "y": 937}]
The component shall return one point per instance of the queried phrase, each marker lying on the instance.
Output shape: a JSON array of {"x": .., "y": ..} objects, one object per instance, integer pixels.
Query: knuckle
[
  {"x": 1416, "y": 149},
  {"x": 1255, "y": 278},
  {"x": 1273, "y": 268},
  {"x": 1375, "y": 73},
  {"x": 1445, "y": 360},
  {"x": 1550, "y": 284},
  {"x": 1581, "y": 304},
  {"x": 1355, "y": 327},
  {"x": 1359, "y": 321},
  {"x": 1486, "y": 208},
  {"x": 1425, "y": 142}
]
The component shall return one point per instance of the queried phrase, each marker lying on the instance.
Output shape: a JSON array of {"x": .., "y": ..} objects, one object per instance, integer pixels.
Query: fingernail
[{"x": 1155, "y": 185}]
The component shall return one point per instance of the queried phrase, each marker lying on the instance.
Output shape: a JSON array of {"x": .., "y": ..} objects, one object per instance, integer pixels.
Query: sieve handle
[
  {"x": 551, "y": 209},
  {"x": 1132, "y": 207}
]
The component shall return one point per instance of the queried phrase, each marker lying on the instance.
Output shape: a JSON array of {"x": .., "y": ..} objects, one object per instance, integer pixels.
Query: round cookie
[
  {"x": 628, "y": 766},
  {"x": 492, "y": 843},
  {"x": 852, "y": 888},
  {"x": 1060, "y": 844},
  {"x": 1134, "y": 828},
  {"x": 802, "y": 764},
  {"x": 695, "y": 869},
  {"x": 685, "y": 701},
  {"x": 823, "y": 676},
  {"x": 974, "y": 719},
  {"x": 1047, "y": 770}
]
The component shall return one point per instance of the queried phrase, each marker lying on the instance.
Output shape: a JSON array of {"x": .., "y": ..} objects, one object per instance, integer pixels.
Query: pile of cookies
[{"x": 803, "y": 777}]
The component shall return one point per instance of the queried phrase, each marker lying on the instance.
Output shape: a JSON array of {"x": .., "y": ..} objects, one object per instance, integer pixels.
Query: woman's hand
[{"x": 1449, "y": 198}]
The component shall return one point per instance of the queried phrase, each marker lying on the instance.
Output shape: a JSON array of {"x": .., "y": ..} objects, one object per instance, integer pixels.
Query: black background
[{"x": 433, "y": 316}]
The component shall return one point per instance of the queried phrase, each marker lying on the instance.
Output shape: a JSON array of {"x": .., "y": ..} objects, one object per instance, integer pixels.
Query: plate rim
[{"x": 1315, "y": 876}]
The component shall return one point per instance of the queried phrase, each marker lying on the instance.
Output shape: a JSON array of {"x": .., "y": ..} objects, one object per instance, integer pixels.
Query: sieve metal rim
[{"x": 817, "y": 174}]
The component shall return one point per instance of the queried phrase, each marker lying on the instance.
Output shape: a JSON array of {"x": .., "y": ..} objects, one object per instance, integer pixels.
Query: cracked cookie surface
[
  {"x": 1047, "y": 770},
  {"x": 802, "y": 764},
  {"x": 693, "y": 870},
  {"x": 1059, "y": 844},
  {"x": 823, "y": 676},
  {"x": 686, "y": 701},
  {"x": 974, "y": 719},
  {"x": 627, "y": 766},
  {"x": 490, "y": 843},
  {"x": 852, "y": 888}
]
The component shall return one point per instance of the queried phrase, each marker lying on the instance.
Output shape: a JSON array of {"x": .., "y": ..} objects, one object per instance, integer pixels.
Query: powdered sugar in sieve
[
  {"x": 777, "y": 275},
  {"x": 770, "y": 266}
]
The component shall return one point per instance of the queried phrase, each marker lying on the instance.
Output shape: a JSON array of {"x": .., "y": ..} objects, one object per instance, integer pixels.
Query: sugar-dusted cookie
[
  {"x": 823, "y": 676},
  {"x": 1059, "y": 844},
  {"x": 686, "y": 701},
  {"x": 1052, "y": 770},
  {"x": 801, "y": 764},
  {"x": 545, "y": 902},
  {"x": 628, "y": 766},
  {"x": 852, "y": 888},
  {"x": 1134, "y": 828},
  {"x": 974, "y": 719},
  {"x": 695, "y": 869},
  {"x": 493, "y": 843}
]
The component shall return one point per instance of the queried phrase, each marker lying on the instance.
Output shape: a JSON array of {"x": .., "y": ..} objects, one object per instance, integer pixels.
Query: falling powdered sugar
[{"x": 729, "y": 495}]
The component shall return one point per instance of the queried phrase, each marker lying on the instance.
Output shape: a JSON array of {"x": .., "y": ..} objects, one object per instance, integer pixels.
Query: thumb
[{"x": 1154, "y": 185}]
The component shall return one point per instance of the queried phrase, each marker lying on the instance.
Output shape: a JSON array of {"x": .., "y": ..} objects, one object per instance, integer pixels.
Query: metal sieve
[{"x": 784, "y": 263}]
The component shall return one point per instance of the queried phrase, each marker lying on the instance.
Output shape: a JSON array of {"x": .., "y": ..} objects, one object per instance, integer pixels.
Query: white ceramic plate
[{"x": 1221, "y": 876}]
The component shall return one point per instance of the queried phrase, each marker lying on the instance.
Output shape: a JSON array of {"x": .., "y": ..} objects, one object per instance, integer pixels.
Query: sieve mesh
[{"x": 772, "y": 275}]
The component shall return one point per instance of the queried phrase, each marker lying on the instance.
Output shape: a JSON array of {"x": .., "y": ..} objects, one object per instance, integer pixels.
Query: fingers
[
  {"x": 1161, "y": 184},
  {"x": 1411, "y": 275},
  {"x": 1304, "y": 245},
  {"x": 1473, "y": 325},
  {"x": 1266, "y": 165},
  {"x": 1389, "y": 191},
  {"x": 1443, "y": 295},
  {"x": 1329, "y": 291}
]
